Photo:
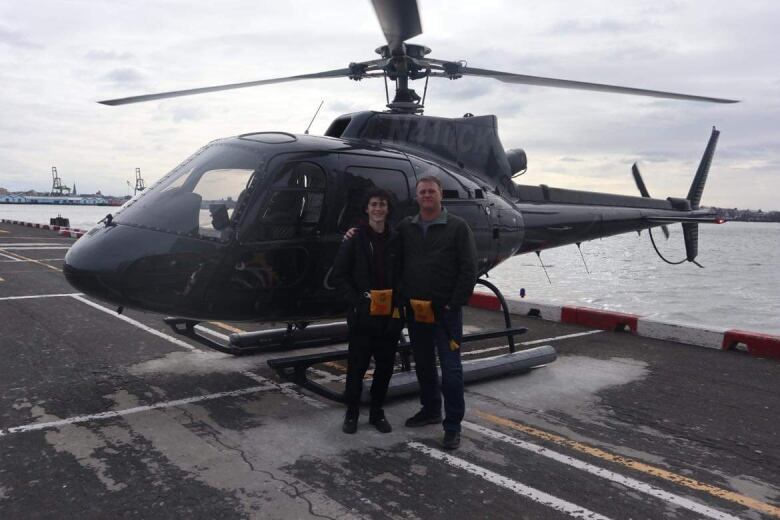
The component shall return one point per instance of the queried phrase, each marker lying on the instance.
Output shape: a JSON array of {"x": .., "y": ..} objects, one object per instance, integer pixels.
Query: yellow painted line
[
  {"x": 635, "y": 465},
  {"x": 335, "y": 364},
  {"x": 227, "y": 327},
  {"x": 20, "y": 257},
  {"x": 4, "y": 231}
]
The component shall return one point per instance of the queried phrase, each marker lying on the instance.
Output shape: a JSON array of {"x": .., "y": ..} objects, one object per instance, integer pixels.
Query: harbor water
[{"x": 739, "y": 286}]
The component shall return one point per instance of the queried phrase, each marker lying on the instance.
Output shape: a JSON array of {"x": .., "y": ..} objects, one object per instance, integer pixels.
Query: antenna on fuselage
[
  {"x": 583, "y": 257},
  {"x": 539, "y": 256},
  {"x": 313, "y": 118}
]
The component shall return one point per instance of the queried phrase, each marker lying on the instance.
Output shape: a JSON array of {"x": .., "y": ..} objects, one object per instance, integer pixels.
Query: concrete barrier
[
  {"x": 68, "y": 232},
  {"x": 756, "y": 344}
]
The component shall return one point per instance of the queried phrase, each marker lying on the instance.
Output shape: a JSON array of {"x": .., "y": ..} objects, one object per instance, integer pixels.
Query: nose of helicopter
[{"x": 91, "y": 267}]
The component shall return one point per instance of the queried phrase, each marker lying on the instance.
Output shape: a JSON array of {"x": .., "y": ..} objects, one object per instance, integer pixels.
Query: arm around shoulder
[{"x": 343, "y": 266}]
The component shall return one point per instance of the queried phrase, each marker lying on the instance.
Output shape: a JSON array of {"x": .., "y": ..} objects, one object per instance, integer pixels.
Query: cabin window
[
  {"x": 200, "y": 196},
  {"x": 358, "y": 180},
  {"x": 451, "y": 187},
  {"x": 294, "y": 204},
  {"x": 219, "y": 191}
]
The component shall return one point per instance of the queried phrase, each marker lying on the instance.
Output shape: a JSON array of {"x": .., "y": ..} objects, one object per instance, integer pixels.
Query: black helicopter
[{"x": 248, "y": 226}]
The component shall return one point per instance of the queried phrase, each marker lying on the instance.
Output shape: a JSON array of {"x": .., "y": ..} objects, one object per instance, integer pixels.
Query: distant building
[
  {"x": 3, "y": 191},
  {"x": 13, "y": 199}
]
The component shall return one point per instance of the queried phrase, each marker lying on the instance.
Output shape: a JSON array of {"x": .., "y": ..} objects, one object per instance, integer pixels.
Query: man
[
  {"x": 438, "y": 275},
  {"x": 366, "y": 266}
]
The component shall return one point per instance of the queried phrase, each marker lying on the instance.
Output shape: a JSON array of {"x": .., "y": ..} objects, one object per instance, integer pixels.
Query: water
[
  {"x": 738, "y": 288},
  {"x": 81, "y": 217}
]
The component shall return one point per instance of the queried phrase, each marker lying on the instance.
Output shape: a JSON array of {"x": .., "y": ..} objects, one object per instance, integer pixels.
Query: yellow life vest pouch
[
  {"x": 423, "y": 311},
  {"x": 381, "y": 302}
]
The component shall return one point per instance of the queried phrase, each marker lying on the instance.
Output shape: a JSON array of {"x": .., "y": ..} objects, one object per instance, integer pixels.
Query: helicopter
[{"x": 246, "y": 229}]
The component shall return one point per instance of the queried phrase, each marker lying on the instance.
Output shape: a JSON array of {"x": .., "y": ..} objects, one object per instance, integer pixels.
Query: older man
[{"x": 439, "y": 272}]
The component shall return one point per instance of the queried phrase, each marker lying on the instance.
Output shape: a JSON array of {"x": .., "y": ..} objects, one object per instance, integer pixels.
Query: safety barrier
[
  {"x": 756, "y": 344},
  {"x": 67, "y": 232}
]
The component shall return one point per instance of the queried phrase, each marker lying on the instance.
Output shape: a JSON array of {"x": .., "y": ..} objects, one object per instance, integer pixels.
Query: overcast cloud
[{"x": 58, "y": 58}]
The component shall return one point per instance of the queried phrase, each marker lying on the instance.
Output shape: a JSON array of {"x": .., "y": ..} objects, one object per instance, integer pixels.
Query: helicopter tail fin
[
  {"x": 697, "y": 186},
  {"x": 691, "y": 229},
  {"x": 691, "y": 237}
]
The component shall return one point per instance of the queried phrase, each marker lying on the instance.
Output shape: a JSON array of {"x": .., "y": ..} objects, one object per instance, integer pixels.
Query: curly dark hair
[{"x": 378, "y": 193}]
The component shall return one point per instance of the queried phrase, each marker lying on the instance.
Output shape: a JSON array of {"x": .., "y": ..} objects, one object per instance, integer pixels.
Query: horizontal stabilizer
[{"x": 701, "y": 220}]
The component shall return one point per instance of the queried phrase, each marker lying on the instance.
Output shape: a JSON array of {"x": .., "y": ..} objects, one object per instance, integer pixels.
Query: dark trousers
[
  {"x": 361, "y": 349},
  {"x": 428, "y": 340}
]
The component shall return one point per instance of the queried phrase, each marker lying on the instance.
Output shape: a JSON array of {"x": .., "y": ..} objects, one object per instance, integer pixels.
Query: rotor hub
[{"x": 409, "y": 49}]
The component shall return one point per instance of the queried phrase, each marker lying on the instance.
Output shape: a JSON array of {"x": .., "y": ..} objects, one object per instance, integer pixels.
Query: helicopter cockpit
[{"x": 199, "y": 197}]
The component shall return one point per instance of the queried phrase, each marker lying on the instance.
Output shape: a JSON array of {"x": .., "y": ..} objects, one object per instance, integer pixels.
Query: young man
[
  {"x": 438, "y": 277},
  {"x": 368, "y": 262}
]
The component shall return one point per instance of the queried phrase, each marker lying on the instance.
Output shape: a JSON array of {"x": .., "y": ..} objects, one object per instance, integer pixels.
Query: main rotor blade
[
  {"x": 400, "y": 20},
  {"x": 178, "y": 93},
  {"x": 522, "y": 79}
]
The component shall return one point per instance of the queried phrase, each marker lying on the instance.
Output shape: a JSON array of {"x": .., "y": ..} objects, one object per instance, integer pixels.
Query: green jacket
[{"x": 440, "y": 266}]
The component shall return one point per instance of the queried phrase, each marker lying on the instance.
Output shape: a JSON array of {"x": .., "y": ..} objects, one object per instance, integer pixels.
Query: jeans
[{"x": 427, "y": 340}]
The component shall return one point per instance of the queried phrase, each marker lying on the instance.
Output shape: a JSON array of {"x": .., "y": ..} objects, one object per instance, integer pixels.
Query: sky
[{"x": 58, "y": 58}]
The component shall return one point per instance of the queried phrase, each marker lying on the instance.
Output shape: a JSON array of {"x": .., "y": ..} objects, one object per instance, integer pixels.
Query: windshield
[{"x": 201, "y": 195}]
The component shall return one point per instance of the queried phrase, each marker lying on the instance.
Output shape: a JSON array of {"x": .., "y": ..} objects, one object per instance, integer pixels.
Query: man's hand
[{"x": 350, "y": 233}]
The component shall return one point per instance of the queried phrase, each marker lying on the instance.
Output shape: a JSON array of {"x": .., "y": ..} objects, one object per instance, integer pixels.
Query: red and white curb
[
  {"x": 757, "y": 344},
  {"x": 66, "y": 232}
]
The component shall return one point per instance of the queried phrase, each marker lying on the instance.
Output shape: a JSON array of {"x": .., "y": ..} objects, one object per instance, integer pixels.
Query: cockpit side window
[
  {"x": 293, "y": 205},
  {"x": 358, "y": 180},
  {"x": 200, "y": 197},
  {"x": 219, "y": 191}
]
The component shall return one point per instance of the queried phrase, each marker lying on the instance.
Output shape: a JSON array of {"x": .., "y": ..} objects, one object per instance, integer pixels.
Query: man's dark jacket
[
  {"x": 440, "y": 266},
  {"x": 353, "y": 274}
]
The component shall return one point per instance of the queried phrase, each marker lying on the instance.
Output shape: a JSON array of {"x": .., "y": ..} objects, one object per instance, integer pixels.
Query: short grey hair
[{"x": 429, "y": 178}]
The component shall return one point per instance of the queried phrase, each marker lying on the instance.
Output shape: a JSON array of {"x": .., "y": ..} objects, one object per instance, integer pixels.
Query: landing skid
[
  {"x": 295, "y": 368},
  {"x": 257, "y": 342}
]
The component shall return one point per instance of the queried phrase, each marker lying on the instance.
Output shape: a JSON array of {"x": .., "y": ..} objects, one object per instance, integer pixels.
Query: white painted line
[
  {"x": 35, "y": 296},
  {"x": 603, "y": 473},
  {"x": 521, "y": 489},
  {"x": 567, "y": 336},
  {"x": 137, "y": 409},
  {"x": 10, "y": 245},
  {"x": 138, "y": 324},
  {"x": 13, "y": 259},
  {"x": 528, "y": 343},
  {"x": 20, "y": 237},
  {"x": 288, "y": 389},
  {"x": 31, "y": 260},
  {"x": 31, "y": 248}
]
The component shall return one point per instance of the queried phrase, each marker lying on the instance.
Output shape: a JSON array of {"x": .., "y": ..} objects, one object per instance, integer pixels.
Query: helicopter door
[
  {"x": 363, "y": 173},
  {"x": 271, "y": 269}
]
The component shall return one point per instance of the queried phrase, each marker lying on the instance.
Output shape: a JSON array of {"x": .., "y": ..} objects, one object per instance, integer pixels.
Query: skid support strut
[{"x": 295, "y": 368}]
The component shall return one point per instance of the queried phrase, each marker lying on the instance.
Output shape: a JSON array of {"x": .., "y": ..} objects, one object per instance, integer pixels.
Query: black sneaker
[
  {"x": 350, "y": 422},
  {"x": 379, "y": 421},
  {"x": 451, "y": 440},
  {"x": 423, "y": 418}
]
